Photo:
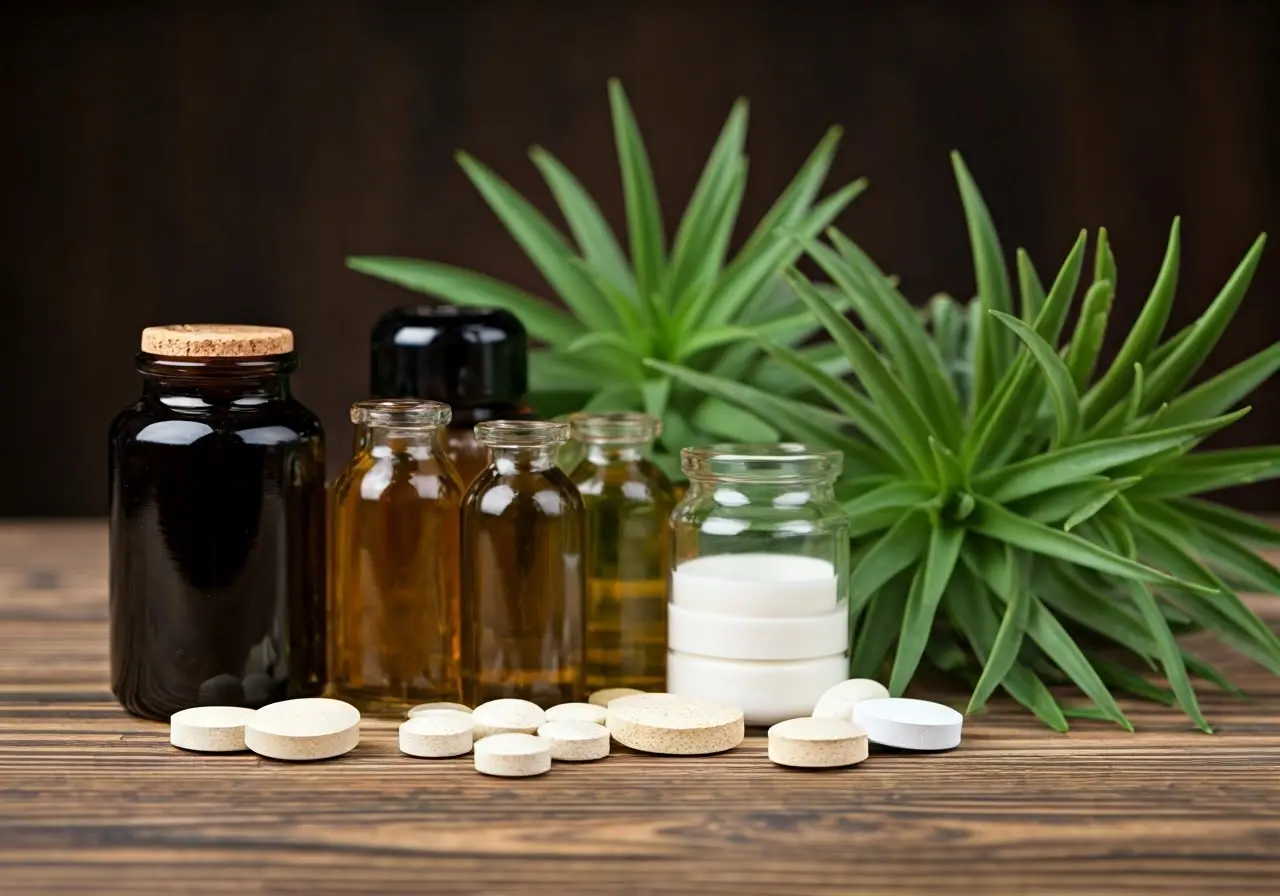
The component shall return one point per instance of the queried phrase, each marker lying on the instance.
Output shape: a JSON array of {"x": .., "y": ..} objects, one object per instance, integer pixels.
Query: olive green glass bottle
[{"x": 629, "y": 502}]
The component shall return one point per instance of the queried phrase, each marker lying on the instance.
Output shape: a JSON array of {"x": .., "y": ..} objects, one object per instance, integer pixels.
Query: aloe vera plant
[
  {"x": 1021, "y": 517},
  {"x": 681, "y": 300}
]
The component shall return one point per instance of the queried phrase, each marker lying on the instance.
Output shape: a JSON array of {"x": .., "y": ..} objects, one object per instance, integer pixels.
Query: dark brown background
[{"x": 171, "y": 162}]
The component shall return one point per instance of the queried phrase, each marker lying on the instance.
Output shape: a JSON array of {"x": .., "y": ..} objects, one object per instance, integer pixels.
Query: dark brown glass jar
[
  {"x": 476, "y": 360},
  {"x": 217, "y": 526}
]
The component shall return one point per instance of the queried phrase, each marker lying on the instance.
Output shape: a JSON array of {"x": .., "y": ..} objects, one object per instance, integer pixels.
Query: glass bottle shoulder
[
  {"x": 777, "y": 507},
  {"x": 498, "y": 492},
  {"x": 636, "y": 482},
  {"x": 380, "y": 473},
  {"x": 181, "y": 420}
]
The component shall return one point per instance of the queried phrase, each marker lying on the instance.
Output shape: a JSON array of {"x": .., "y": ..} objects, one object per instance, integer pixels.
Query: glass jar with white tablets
[{"x": 760, "y": 556}]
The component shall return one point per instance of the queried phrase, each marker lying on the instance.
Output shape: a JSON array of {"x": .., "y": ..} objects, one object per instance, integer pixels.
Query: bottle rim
[
  {"x": 614, "y": 427},
  {"x": 760, "y": 462},
  {"x": 401, "y": 413},
  {"x": 522, "y": 433},
  {"x": 175, "y": 367}
]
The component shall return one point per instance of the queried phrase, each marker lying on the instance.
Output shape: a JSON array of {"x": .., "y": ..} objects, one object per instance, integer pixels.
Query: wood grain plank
[{"x": 93, "y": 800}]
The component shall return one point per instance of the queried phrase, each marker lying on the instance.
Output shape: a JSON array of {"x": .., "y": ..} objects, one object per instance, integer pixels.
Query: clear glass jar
[
  {"x": 629, "y": 502},
  {"x": 217, "y": 526},
  {"x": 758, "y": 615},
  {"x": 394, "y": 592},
  {"x": 523, "y": 570}
]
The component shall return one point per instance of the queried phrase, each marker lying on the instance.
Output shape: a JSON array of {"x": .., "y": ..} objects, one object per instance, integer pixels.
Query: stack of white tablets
[{"x": 765, "y": 632}]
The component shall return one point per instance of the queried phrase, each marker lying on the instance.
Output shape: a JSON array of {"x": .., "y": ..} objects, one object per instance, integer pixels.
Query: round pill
[
  {"x": 909, "y": 724},
  {"x": 602, "y": 698},
  {"x": 210, "y": 729},
  {"x": 304, "y": 729},
  {"x": 676, "y": 725},
  {"x": 817, "y": 743},
  {"x": 507, "y": 716},
  {"x": 513, "y": 755},
  {"x": 576, "y": 712},
  {"x": 838, "y": 701},
  {"x": 435, "y": 707},
  {"x": 576, "y": 741},
  {"x": 436, "y": 735},
  {"x": 456, "y": 714}
]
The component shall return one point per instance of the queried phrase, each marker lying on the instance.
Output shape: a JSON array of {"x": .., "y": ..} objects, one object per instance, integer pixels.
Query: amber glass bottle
[
  {"x": 217, "y": 526},
  {"x": 394, "y": 591},
  {"x": 524, "y": 613},
  {"x": 629, "y": 501},
  {"x": 473, "y": 359}
]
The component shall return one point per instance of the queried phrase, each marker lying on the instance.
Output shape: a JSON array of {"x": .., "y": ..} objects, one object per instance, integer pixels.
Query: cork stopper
[{"x": 216, "y": 341}]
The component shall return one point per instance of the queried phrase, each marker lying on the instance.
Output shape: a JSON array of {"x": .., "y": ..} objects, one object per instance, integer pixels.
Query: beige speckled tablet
[
  {"x": 507, "y": 716},
  {"x": 576, "y": 712},
  {"x": 456, "y": 715},
  {"x": 838, "y": 701},
  {"x": 513, "y": 755},
  {"x": 817, "y": 743},
  {"x": 305, "y": 729},
  {"x": 435, "y": 707},
  {"x": 437, "y": 735},
  {"x": 210, "y": 729},
  {"x": 669, "y": 723},
  {"x": 602, "y": 698},
  {"x": 576, "y": 741}
]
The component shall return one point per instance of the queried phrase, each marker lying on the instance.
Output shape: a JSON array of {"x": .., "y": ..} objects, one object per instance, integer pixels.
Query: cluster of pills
[{"x": 515, "y": 738}]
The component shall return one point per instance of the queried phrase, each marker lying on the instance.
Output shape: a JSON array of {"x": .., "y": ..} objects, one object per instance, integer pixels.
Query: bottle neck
[
  {"x": 602, "y": 455},
  {"x": 822, "y": 490},
  {"x": 525, "y": 459},
  {"x": 206, "y": 381},
  {"x": 418, "y": 442}
]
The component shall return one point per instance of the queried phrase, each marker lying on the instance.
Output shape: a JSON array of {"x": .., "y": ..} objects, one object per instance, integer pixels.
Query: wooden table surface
[{"x": 93, "y": 800}]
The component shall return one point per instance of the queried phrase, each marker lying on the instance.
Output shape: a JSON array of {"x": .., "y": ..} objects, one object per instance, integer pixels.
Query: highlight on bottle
[
  {"x": 614, "y": 428},
  {"x": 522, "y": 433}
]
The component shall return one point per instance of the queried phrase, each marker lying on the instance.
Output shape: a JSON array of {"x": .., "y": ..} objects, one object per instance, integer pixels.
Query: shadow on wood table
[{"x": 93, "y": 800}]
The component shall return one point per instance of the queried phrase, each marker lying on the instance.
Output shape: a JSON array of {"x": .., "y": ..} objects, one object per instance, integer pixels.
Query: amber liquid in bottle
[
  {"x": 524, "y": 606},
  {"x": 394, "y": 595},
  {"x": 629, "y": 502}
]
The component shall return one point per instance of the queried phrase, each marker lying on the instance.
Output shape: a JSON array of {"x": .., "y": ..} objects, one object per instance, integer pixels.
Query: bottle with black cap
[{"x": 475, "y": 360}]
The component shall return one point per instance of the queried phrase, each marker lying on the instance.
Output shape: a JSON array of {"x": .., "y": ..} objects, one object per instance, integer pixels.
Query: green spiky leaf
[{"x": 1019, "y": 514}]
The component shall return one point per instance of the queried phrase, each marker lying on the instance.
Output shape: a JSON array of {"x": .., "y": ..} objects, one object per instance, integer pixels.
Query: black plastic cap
[{"x": 461, "y": 356}]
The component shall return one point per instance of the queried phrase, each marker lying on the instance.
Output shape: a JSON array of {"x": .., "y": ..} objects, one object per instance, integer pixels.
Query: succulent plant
[
  {"x": 1022, "y": 518},
  {"x": 685, "y": 301}
]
